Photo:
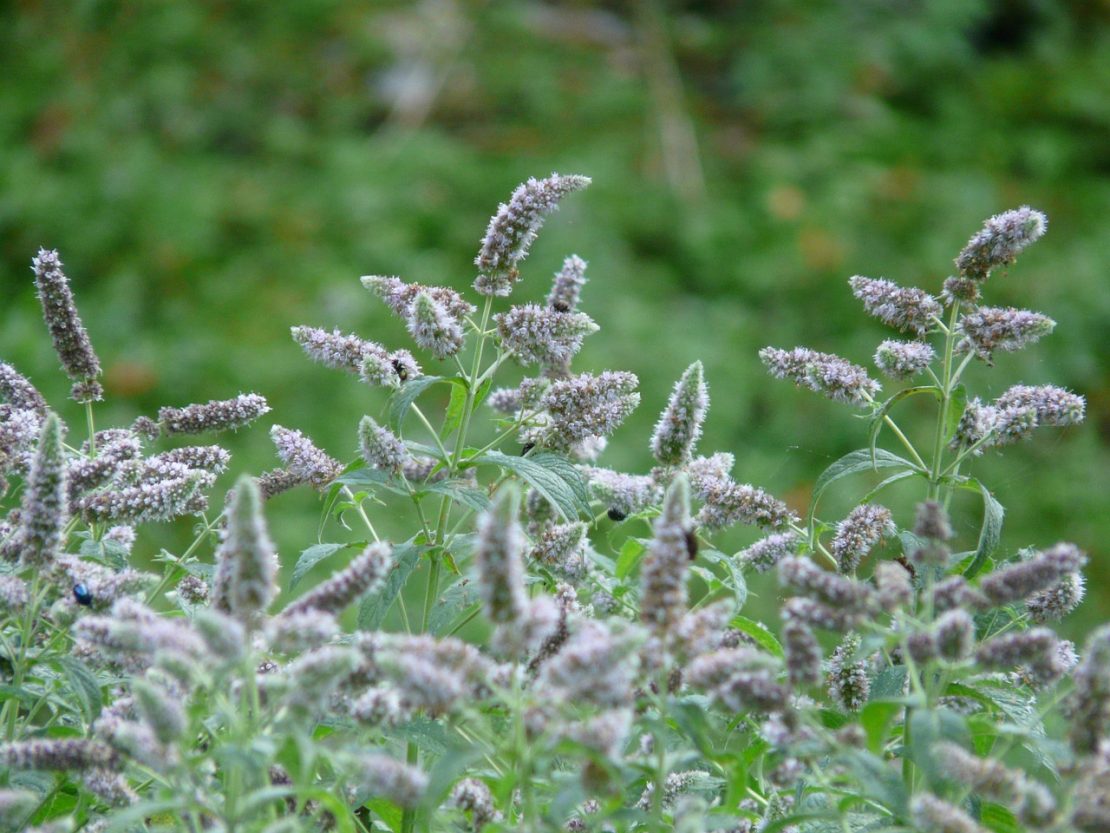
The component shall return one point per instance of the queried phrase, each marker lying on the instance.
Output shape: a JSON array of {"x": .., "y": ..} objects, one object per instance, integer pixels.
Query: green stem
[{"x": 946, "y": 396}]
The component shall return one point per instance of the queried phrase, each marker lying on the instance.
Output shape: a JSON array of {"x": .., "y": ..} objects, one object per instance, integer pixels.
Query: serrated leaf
[
  {"x": 373, "y": 609},
  {"x": 456, "y": 406},
  {"x": 991, "y": 532},
  {"x": 889, "y": 684},
  {"x": 81, "y": 681},
  {"x": 759, "y": 632},
  {"x": 453, "y": 602},
  {"x": 550, "y": 474},
  {"x": 854, "y": 462},
  {"x": 631, "y": 552},
  {"x": 310, "y": 558},
  {"x": 999, "y": 819},
  {"x": 402, "y": 400},
  {"x": 461, "y": 492}
]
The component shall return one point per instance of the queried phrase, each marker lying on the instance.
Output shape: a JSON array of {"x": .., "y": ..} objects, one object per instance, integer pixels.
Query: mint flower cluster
[{"x": 555, "y": 645}]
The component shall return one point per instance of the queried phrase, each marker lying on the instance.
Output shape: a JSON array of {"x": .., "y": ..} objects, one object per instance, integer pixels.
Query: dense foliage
[{"x": 553, "y": 644}]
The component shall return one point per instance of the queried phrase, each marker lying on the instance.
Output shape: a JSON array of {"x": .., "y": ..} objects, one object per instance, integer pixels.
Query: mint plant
[{"x": 556, "y": 645}]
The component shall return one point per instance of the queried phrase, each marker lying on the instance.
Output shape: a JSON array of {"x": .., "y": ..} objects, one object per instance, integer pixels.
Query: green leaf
[
  {"x": 855, "y": 462},
  {"x": 455, "y": 408},
  {"x": 875, "y": 718},
  {"x": 372, "y": 611},
  {"x": 894, "y": 478},
  {"x": 550, "y": 474},
  {"x": 631, "y": 552},
  {"x": 876, "y": 779},
  {"x": 989, "y": 535},
  {"x": 876, "y": 425},
  {"x": 999, "y": 819},
  {"x": 82, "y": 682},
  {"x": 889, "y": 684},
  {"x": 930, "y": 726},
  {"x": 759, "y": 632},
  {"x": 371, "y": 478},
  {"x": 310, "y": 558},
  {"x": 459, "y": 491},
  {"x": 452, "y": 603},
  {"x": 403, "y": 399}
]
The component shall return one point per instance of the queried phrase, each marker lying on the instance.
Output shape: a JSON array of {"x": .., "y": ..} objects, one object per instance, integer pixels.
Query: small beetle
[
  {"x": 81, "y": 594},
  {"x": 616, "y": 514}
]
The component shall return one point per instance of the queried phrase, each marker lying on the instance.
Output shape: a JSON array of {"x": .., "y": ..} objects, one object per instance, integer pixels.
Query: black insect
[
  {"x": 560, "y": 306},
  {"x": 399, "y": 367},
  {"x": 905, "y": 562},
  {"x": 615, "y": 514},
  {"x": 82, "y": 595},
  {"x": 691, "y": 536},
  {"x": 527, "y": 447}
]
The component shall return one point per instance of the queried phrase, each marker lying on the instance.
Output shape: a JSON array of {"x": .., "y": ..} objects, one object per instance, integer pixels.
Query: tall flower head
[
  {"x": 514, "y": 227},
  {"x": 664, "y": 569},
  {"x": 769, "y": 551},
  {"x": 585, "y": 406},
  {"x": 567, "y": 286},
  {"x": 857, "y": 534},
  {"x": 335, "y": 350},
  {"x": 1001, "y": 328},
  {"x": 622, "y": 494},
  {"x": 215, "y": 415},
  {"x": 400, "y": 296},
  {"x": 363, "y": 574},
  {"x": 380, "y": 447},
  {"x": 433, "y": 328},
  {"x": 497, "y": 556},
  {"x": 847, "y": 679},
  {"x": 1043, "y": 570},
  {"x": 903, "y": 359},
  {"x": 44, "y": 511},
  {"x": 1054, "y": 406},
  {"x": 541, "y": 335},
  {"x": 71, "y": 341},
  {"x": 908, "y": 309},
  {"x": 679, "y": 426},
  {"x": 17, "y": 391},
  {"x": 245, "y": 582},
  {"x": 1089, "y": 704},
  {"x": 303, "y": 459},
  {"x": 822, "y": 373},
  {"x": 1000, "y": 241}
]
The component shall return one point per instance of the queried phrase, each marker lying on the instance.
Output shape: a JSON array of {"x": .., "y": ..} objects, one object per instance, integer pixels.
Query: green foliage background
[{"x": 214, "y": 172}]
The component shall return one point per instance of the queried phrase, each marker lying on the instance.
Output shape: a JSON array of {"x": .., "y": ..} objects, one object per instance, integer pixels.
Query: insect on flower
[
  {"x": 616, "y": 514},
  {"x": 82, "y": 595}
]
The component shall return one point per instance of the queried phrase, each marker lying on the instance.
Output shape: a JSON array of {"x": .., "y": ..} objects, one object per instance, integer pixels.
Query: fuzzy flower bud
[
  {"x": 679, "y": 426},
  {"x": 907, "y": 309},
  {"x": 742, "y": 503},
  {"x": 540, "y": 335},
  {"x": 976, "y": 423},
  {"x": 389, "y": 370},
  {"x": 59, "y": 754},
  {"x": 598, "y": 664},
  {"x": 1089, "y": 702},
  {"x": 216, "y": 415},
  {"x": 954, "y": 635},
  {"x": 335, "y": 350},
  {"x": 497, "y": 556},
  {"x": 1000, "y": 328},
  {"x": 932, "y": 815},
  {"x": 1000, "y": 241},
  {"x": 857, "y": 534},
  {"x": 382, "y": 776},
  {"x": 514, "y": 227},
  {"x": 1057, "y": 601},
  {"x": 903, "y": 359},
  {"x": 739, "y": 679},
  {"x": 585, "y": 406},
  {"x": 17, "y": 391},
  {"x": 1029, "y": 800},
  {"x": 363, "y": 574},
  {"x": 847, "y": 680},
  {"x": 303, "y": 459},
  {"x": 623, "y": 494},
  {"x": 314, "y": 676},
  {"x": 71, "y": 341},
  {"x": 154, "y": 498},
  {"x": 43, "y": 514},
  {"x": 380, "y": 447},
  {"x": 473, "y": 796},
  {"x": 567, "y": 286},
  {"x": 894, "y": 584},
  {"x": 432, "y": 327},
  {"x": 1037, "y": 649},
  {"x": 823, "y": 373},
  {"x": 400, "y": 296},
  {"x": 953, "y": 592},
  {"x": 667, "y": 562},
  {"x": 245, "y": 581},
  {"x": 767, "y": 552},
  {"x": 1054, "y": 406},
  {"x": 801, "y": 575},
  {"x": 1040, "y": 572},
  {"x": 803, "y": 653},
  {"x": 562, "y": 547},
  {"x": 160, "y": 710},
  {"x": 224, "y": 637}
]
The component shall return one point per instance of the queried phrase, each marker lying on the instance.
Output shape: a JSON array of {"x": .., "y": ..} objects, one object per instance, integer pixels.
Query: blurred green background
[{"x": 215, "y": 172}]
